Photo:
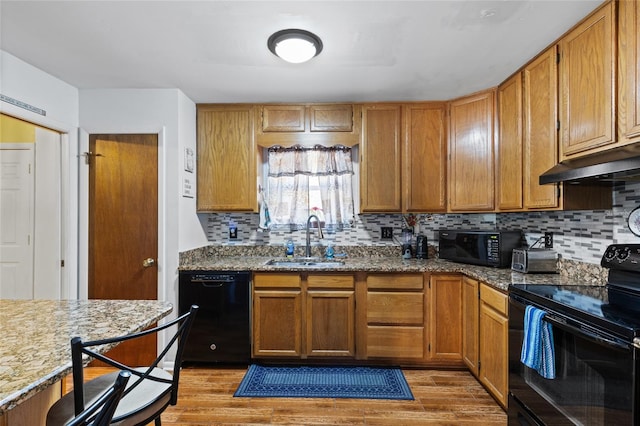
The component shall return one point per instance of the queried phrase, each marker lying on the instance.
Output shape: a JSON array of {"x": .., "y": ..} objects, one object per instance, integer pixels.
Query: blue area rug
[{"x": 324, "y": 382}]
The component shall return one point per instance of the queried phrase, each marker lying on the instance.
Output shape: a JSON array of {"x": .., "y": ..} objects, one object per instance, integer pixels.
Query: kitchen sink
[{"x": 305, "y": 262}]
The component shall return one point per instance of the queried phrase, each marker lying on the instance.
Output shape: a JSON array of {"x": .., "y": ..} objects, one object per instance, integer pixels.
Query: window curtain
[{"x": 304, "y": 181}]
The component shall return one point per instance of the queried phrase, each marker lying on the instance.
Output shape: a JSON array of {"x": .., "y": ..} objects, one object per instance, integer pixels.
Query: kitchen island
[{"x": 36, "y": 353}]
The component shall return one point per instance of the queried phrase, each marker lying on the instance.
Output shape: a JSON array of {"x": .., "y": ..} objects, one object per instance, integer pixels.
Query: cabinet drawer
[
  {"x": 276, "y": 280},
  {"x": 395, "y": 342},
  {"x": 494, "y": 298},
  {"x": 330, "y": 281},
  {"x": 395, "y": 308},
  {"x": 395, "y": 281}
]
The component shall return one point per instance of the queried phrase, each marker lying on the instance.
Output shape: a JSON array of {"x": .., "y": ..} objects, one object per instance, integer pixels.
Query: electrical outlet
[
  {"x": 233, "y": 233},
  {"x": 548, "y": 240},
  {"x": 387, "y": 233}
]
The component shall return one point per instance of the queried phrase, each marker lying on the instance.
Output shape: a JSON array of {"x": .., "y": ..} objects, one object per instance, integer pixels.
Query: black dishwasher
[{"x": 221, "y": 330}]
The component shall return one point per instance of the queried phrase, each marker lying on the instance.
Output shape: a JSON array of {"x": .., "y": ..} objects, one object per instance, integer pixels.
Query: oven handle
[
  {"x": 636, "y": 342},
  {"x": 594, "y": 337}
]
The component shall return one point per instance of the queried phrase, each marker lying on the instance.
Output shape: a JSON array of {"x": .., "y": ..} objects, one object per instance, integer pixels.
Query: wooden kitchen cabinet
[
  {"x": 226, "y": 158},
  {"x": 509, "y": 167},
  {"x": 380, "y": 150},
  {"x": 395, "y": 317},
  {"x": 300, "y": 315},
  {"x": 283, "y": 118},
  {"x": 445, "y": 317},
  {"x": 424, "y": 162},
  {"x": 470, "y": 323},
  {"x": 628, "y": 72},
  {"x": 330, "y": 315},
  {"x": 471, "y": 161},
  {"x": 493, "y": 371},
  {"x": 587, "y": 85}
]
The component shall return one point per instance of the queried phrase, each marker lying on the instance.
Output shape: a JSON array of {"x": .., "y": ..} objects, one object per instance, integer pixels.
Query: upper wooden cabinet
[
  {"x": 509, "y": 158},
  {"x": 424, "y": 162},
  {"x": 628, "y": 72},
  {"x": 307, "y": 124},
  {"x": 587, "y": 84},
  {"x": 226, "y": 160},
  {"x": 471, "y": 164},
  {"x": 380, "y": 158}
]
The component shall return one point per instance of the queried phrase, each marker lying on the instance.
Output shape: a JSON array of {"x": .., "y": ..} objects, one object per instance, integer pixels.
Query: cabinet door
[
  {"x": 445, "y": 317},
  {"x": 587, "y": 84},
  {"x": 380, "y": 159},
  {"x": 424, "y": 162},
  {"x": 330, "y": 323},
  {"x": 283, "y": 118},
  {"x": 277, "y": 323},
  {"x": 540, "y": 129},
  {"x": 494, "y": 331},
  {"x": 331, "y": 118},
  {"x": 629, "y": 71},
  {"x": 509, "y": 147},
  {"x": 470, "y": 306},
  {"x": 471, "y": 177},
  {"x": 226, "y": 159}
]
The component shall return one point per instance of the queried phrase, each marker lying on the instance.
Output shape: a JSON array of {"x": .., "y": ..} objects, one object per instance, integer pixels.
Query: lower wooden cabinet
[
  {"x": 485, "y": 336},
  {"x": 493, "y": 369},
  {"x": 395, "y": 317},
  {"x": 445, "y": 317},
  {"x": 303, "y": 315}
]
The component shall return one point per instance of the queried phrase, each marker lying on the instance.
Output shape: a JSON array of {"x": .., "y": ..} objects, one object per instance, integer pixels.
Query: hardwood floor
[{"x": 442, "y": 397}]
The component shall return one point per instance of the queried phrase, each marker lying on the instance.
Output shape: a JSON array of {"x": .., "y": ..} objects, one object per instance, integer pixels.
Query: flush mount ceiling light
[{"x": 295, "y": 46}]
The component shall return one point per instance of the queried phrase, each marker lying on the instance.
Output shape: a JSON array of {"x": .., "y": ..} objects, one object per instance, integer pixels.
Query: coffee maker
[
  {"x": 422, "y": 249},
  {"x": 407, "y": 247}
]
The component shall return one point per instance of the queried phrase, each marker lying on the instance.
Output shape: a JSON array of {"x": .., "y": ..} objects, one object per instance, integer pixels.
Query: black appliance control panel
[{"x": 624, "y": 257}]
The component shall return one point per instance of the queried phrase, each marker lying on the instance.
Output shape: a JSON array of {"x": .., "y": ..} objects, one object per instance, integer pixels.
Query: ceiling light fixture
[{"x": 295, "y": 46}]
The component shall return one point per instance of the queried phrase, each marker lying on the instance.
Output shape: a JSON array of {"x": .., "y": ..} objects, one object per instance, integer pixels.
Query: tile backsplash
[{"x": 578, "y": 235}]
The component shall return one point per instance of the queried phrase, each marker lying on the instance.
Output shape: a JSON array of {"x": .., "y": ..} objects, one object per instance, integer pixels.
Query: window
[{"x": 304, "y": 181}]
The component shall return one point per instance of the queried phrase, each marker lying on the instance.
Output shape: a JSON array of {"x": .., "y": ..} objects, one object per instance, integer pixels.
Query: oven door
[{"x": 595, "y": 372}]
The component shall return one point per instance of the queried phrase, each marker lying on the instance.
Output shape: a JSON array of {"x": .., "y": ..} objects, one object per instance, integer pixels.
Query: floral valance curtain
[{"x": 304, "y": 181}]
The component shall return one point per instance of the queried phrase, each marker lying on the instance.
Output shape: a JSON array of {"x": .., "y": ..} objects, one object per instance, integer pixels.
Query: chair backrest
[
  {"x": 101, "y": 411},
  {"x": 179, "y": 338}
]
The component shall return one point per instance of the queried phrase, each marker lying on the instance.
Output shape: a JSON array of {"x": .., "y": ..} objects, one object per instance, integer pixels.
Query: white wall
[{"x": 26, "y": 83}]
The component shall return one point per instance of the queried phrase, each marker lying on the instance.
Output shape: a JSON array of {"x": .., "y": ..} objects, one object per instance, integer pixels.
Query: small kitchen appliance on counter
[
  {"x": 407, "y": 248},
  {"x": 479, "y": 247},
  {"x": 534, "y": 260},
  {"x": 422, "y": 249}
]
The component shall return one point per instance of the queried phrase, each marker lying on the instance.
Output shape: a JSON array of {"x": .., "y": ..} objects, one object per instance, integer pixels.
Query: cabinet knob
[{"x": 148, "y": 262}]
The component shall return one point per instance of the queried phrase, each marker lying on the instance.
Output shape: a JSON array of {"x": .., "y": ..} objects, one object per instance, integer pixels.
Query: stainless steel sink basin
[{"x": 305, "y": 262}]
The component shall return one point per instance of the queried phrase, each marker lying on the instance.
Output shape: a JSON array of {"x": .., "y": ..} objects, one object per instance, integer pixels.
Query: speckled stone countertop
[
  {"x": 498, "y": 278},
  {"x": 36, "y": 335}
]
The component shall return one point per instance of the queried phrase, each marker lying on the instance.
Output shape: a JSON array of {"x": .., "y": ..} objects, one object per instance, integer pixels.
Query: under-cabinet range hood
[{"x": 607, "y": 167}]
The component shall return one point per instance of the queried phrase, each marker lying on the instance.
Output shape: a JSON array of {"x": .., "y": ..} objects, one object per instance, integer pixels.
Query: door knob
[{"x": 148, "y": 262}]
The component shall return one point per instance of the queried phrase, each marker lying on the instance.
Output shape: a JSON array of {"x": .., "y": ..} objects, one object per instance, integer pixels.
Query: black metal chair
[
  {"x": 144, "y": 398},
  {"x": 102, "y": 410}
]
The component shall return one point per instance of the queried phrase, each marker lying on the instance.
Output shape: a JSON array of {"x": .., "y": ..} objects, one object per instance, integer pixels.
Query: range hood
[{"x": 608, "y": 167}]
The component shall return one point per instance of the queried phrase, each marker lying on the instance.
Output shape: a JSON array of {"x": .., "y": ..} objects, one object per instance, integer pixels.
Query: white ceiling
[{"x": 215, "y": 51}]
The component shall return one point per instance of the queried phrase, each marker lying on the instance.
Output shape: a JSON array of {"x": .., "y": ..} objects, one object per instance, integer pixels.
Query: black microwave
[{"x": 486, "y": 248}]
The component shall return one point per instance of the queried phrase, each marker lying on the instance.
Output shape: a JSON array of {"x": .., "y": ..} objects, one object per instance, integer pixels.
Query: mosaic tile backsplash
[{"x": 578, "y": 235}]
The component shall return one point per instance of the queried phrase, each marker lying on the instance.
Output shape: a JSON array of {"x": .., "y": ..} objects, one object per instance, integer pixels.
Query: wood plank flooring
[{"x": 442, "y": 397}]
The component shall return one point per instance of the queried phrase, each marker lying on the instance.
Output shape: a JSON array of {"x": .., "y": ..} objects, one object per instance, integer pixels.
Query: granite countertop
[
  {"x": 498, "y": 278},
  {"x": 36, "y": 336}
]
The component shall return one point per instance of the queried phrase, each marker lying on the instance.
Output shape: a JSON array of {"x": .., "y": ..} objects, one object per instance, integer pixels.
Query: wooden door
[
  {"x": 470, "y": 300},
  {"x": 509, "y": 147},
  {"x": 629, "y": 72},
  {"x": 540, "y": 129},
  {"x": 424, "y": 157},
  {"x": 445, "y": 319},
  {"x": 123, "y": 225},
  {"x": 330, "y": 323},
  {"x": 471, "y": 168},
  {"x": 494, "y": 329},
  {"x": 380, "y": 155},
  {"x": 587, "y": 84}
]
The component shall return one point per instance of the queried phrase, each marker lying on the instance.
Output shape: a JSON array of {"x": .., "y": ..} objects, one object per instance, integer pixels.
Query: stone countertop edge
[
  {"x": 36, "y": 349},
  {"x": 499, "y": 278}
]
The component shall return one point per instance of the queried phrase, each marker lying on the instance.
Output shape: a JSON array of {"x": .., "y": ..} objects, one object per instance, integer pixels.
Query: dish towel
[
  {"x": 265, "y": 219},
  {"x": 537, "y": 346}
]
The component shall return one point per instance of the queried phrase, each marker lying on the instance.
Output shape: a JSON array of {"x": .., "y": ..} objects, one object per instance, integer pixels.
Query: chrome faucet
[{"x": 320, "y": 235}]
